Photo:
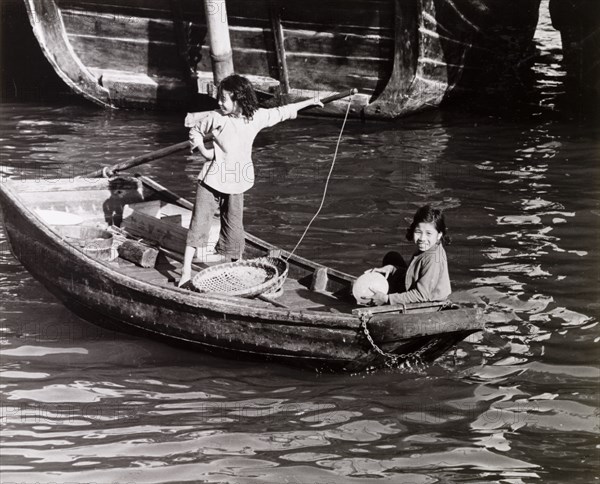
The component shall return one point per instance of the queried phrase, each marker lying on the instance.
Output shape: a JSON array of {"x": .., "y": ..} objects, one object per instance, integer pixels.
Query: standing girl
[
  {"x": 229, "y": 172},
  {"x": 426, "y": 278}
]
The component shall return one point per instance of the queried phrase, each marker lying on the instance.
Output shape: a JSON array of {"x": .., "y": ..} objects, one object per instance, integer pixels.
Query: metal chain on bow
[{"x": 391, "y": 360}]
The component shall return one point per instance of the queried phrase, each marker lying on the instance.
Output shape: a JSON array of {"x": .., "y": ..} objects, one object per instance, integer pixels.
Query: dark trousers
[{"x": 231, "y": 209}]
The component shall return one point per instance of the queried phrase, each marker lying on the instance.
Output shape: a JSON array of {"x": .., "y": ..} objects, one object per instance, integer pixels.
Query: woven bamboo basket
[
  {"x": 241, "y": 278},
  {"x": 282, "y": 272}
]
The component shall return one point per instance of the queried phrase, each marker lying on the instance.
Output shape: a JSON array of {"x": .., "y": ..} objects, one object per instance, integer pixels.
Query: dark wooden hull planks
[{"x": 402, "y": 55}]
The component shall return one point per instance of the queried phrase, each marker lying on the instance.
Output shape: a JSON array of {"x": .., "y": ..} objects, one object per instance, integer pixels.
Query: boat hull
[
  {"x": 402, "y": 55},
  {"x": 578, "y": 22}
]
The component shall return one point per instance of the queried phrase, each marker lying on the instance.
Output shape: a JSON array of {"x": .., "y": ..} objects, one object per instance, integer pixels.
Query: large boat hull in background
[{"x": 402, "y": 55}]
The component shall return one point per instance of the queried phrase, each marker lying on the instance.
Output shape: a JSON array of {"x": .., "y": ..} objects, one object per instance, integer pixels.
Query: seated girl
[{"x": 426, "y": 278}]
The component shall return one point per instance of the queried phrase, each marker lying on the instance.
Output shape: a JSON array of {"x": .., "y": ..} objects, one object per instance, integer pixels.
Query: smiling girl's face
[
  {"x": 425, "y": 236},
  {"x": 227, "y": 104}
]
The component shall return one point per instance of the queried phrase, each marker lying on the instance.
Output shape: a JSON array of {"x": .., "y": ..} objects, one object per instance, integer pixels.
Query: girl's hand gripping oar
[{"x": 140, "y": 160}]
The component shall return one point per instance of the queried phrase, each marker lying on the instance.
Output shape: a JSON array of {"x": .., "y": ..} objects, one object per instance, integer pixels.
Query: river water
[{"x": 515, "y": 404}]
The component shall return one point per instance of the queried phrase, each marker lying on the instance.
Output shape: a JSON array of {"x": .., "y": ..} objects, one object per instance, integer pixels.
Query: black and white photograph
[{"x": 316, "y": 242}]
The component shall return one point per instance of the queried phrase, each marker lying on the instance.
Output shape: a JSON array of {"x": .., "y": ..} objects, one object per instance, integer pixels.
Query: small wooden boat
[
  {"x": 402, "y": 55},
  {"x": 314, "y": 323}
]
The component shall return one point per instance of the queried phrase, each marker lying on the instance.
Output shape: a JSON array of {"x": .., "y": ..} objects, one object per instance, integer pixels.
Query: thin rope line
[{"x": 326, "y": 181}]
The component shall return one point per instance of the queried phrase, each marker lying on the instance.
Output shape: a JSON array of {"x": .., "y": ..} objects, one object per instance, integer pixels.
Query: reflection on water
[{"x": 514, "y": 404}]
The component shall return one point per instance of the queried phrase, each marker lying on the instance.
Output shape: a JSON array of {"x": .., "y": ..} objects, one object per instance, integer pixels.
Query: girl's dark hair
[
  {"x": 241, "y": 91},
  {"x": 428, "y": 214}
]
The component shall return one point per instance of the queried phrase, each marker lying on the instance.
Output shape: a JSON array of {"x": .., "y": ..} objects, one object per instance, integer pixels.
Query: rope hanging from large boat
[{"x": 337, "y": 146}]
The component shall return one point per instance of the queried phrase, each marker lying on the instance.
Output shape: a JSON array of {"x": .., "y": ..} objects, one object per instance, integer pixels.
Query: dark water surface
[{"x": 516, "y": 404}]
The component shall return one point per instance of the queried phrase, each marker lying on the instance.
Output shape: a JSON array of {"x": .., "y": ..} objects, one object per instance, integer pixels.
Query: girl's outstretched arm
[{"x": 267, "y": 118}]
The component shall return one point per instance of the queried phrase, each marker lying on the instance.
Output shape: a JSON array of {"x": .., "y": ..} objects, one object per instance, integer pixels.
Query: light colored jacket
[
  {"x": 232, "y": 170},
  {"x": 427, "y": 278}
]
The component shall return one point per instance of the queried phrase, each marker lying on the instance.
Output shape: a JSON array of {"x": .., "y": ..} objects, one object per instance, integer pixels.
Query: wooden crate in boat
[{"x": 163, "y": 223}]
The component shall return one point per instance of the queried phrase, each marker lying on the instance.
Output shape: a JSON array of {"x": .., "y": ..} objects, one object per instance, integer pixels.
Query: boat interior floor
[
  {"x": 295, "y": 295},
  {"x": 80, "y": 212}
]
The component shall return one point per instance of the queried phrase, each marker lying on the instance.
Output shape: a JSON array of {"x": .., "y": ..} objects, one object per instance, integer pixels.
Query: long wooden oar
[
  {"x": 339, "y": 95},
  {"x": 140, "y": 160}
]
